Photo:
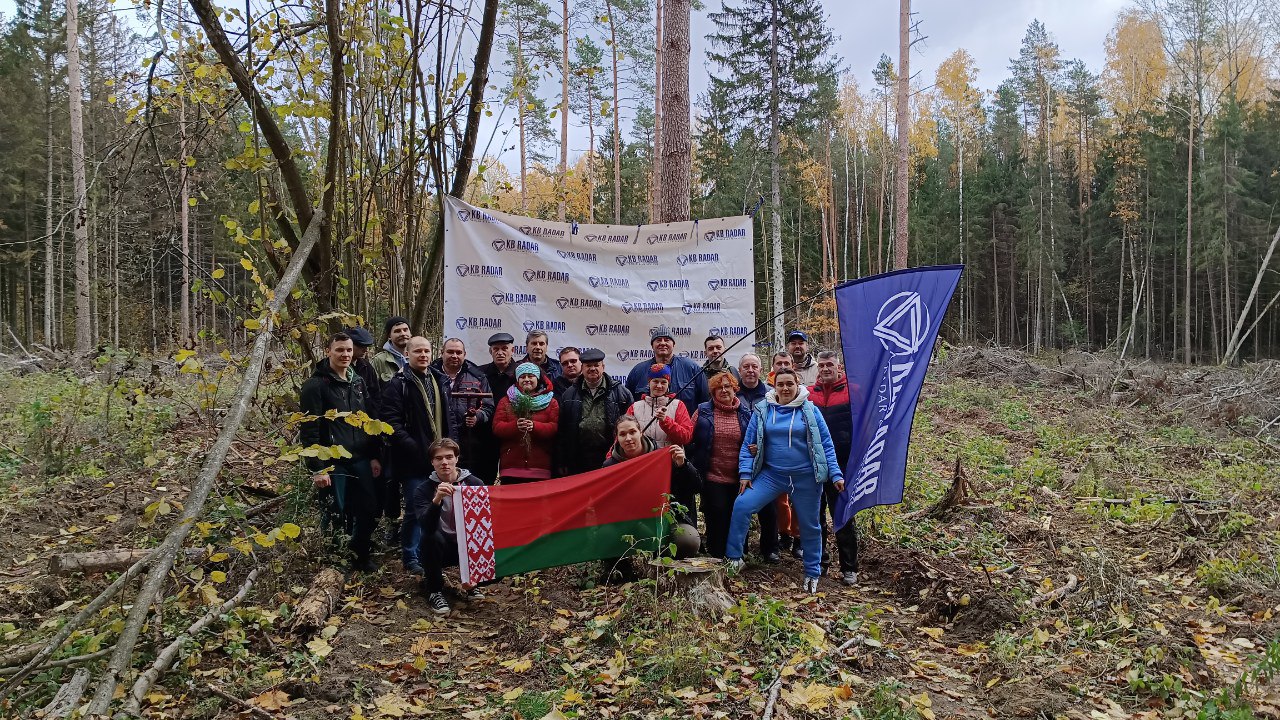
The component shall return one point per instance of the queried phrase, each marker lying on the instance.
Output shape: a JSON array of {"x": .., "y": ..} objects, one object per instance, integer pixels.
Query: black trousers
[
  {"x": 436, "y": 552},
  {"x": 846, "y": 537},
  {"x": 350, "y": 505},
  {"x": 717, "y": 509}
]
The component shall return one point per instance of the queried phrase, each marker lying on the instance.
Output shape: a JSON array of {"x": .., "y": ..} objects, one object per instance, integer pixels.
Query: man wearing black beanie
[{"x": 391, "y": 359}]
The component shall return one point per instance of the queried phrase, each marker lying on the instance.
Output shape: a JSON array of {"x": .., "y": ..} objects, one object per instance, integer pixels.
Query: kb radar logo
[
  {"x": 717, "y": 283},
  {"x": 510, "y": 245},
  {"x": 479, "y": 270},
  {"x": 478, "y": 323},
  {"x": 604, "y": 329},
  {"x": 578, "y": 257},
  {"x": 477, "y": 215},
  {"x": 697, "y": 259},
  {"x": 514, "y": 298},
  {"x": 713, "y": 235}
]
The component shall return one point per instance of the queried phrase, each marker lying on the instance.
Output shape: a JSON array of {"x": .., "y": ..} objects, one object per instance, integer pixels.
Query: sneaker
[
  {"x": 811, "y": 585},
  {"x": 413, "y": 567},
  {"x": 785, "y": 541},
  {"x": 773, "y": 558},
  {"x": 734, "y": 565},
  {"x": 438, "y": 604},
  {"x": 850, "y": 578},
  {"x": 474, "y": 593},
  {"x": 797, "y": 552}
]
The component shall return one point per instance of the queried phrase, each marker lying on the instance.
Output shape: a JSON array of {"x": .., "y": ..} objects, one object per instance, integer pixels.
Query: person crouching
[{"x": 433, "y": 503}]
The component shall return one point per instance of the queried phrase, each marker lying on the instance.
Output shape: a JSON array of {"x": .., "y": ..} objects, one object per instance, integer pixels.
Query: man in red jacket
[{"x": 831, "y": 395}]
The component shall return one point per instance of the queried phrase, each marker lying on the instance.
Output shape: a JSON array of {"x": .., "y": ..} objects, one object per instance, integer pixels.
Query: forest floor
[{"x": 1157, "y": 488}]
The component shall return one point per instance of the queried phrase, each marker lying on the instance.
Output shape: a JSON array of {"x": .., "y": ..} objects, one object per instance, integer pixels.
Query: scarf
[
  {"x": 540, "y": 402},
  {"x": 431, "y": 401},
  {"x": 726, "y": 407}
]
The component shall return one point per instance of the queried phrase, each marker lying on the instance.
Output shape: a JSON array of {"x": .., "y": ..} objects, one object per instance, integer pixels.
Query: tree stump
[{"x": 699, "y": 580}]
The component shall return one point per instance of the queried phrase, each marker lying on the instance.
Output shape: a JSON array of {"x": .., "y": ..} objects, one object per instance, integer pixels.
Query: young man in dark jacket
[
  {"x": 433, "y": 503},
  {"x": 345, "y": 485},
  {"x": 416, "y": 406},
  {"x": 589, "y": 409},
  {"x": 831, "y": 396},
  {"x": 471, "y": 402}
]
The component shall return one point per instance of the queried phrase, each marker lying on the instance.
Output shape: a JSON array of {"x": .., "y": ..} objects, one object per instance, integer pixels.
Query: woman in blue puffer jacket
[{"x": 787, "y": 449}]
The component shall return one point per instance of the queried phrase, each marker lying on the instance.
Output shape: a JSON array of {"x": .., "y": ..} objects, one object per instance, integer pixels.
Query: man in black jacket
[
  {"x": 416, "y": 406},
  {"x": 589, "y": 410},
  {"x": 471, "y": 404},
  {"x": 345, "y": 485}
]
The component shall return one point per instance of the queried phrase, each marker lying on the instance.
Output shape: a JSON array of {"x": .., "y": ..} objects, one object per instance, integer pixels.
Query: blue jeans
[
  {"x": 410, "y": 528},
  {"x": 806, "y": 495}
]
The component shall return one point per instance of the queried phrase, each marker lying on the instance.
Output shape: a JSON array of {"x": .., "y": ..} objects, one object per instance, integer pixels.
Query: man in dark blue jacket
[
  {"x": 683, "y": 370},
  {"x": 345, "y": 485},
  {"x": 416, "y": 406}
]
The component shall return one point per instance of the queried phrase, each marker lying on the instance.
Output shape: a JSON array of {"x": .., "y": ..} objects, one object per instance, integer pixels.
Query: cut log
[
  {"x": 700, "y": 580},
  {"x": 103, "y": 560},
  {"x": 318, "y": 603}
]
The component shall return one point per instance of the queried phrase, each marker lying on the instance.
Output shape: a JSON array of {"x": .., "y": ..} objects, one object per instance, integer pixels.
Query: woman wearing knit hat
[
  {"x": 673, "y": 425},
  {"x": 525, "y": 424}
]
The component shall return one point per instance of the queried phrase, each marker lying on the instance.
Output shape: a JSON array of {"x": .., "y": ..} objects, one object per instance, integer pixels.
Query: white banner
[{"x": 601, "y": 286}]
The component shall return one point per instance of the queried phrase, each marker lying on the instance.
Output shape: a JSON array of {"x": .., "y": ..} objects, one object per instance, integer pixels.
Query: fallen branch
[
  {"x": 254, "y": 709},
  {"x": 957, "y": 494},
  {"x": 103, "y": 560},
  {"x": 265, "y": 507},
  {"x": 67, "y": 699},
  {"x": 1058, "y": 593},
  {"x": 164, "y": 556},
  {"x": 64, "y": 662},
  {"x": 317, "y": 604},
  {"x": 839, "y": 651},
  {"x": 769, "y": 705},
  {"x": 168, "y": 656}
]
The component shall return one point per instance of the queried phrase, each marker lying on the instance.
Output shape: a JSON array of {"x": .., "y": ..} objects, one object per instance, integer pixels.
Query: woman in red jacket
[
  {"x": 525, "y": 423},
  {"x": 663, "y": 418}
]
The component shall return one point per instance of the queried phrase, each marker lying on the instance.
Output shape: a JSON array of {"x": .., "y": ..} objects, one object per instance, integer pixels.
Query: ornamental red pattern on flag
[{"x": 511, "y": 529}]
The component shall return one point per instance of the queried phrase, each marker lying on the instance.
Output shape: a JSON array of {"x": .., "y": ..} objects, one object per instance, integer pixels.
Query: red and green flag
[{"x": 512, "y": 529}]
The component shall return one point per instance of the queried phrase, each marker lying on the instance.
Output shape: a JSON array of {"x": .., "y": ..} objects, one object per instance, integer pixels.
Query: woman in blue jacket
[{"x": 787, "y": 449}]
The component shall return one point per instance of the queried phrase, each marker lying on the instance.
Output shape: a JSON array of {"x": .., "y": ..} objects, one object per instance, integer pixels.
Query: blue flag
[{"x": 888, "y": 324}]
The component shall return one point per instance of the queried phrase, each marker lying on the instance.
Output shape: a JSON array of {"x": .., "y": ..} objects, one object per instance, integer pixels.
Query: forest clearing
[{"x": 1114, "y": 555}]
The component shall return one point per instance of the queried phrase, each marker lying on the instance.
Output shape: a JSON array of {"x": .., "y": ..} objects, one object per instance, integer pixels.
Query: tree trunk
[
  {"x": 1186, "y": 285},
  {"x": 655, "y": 172},
  {"x": 562, "y": 176},
  {"x": 80, "y": 227},
  {"x": 775, "y": 179},
  {"x": 617, "y": 131},
  {"x": 904, "y": 136},
  {"x": 676, "y": 169},
  {"x": 1233, "y": 344}
]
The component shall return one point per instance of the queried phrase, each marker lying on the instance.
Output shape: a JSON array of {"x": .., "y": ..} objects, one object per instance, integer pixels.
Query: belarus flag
[{"x": 513, "y": 529}]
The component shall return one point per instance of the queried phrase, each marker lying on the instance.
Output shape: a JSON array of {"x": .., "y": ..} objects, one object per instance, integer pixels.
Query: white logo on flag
[{"x": 902, "y": 323}]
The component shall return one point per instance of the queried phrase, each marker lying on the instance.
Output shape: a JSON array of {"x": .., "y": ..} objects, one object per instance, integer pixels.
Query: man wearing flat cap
[
  {"x": 589, "y": 409},
  {"x": 683, "y": 370},
  {"x": 363, "y": 342},
  {"x": 500, "y": 374}
]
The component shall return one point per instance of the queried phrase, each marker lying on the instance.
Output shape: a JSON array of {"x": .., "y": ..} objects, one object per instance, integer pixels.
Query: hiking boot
[
  {"x": 413, "y": 567},
  {"x": 364, "y": 565},
  {"x": 797, "y": 552},
  {"x": 811, "y": 585},
  {"x": 849, "y": 578},
  {"x": 773, "y": 558},
  {"x": 438, "y": 604}
]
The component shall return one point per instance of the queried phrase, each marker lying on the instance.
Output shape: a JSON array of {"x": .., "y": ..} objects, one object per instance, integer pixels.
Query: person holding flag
[
  {"x": 831, "y": 396},
  {"x": 787, "y": 449}
]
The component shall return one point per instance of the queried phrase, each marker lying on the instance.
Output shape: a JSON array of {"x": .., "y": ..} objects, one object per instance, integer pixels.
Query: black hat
[
  {"x": 393, "y": 321},
  {"x": 659, "y": 332},
  {"x": 592, "y": 355},
  {"x": 500, "y": 338},
  {"x": 359, "y": 336}
]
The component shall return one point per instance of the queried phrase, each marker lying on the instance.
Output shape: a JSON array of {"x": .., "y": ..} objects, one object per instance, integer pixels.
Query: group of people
[{"x": 743, "y": 443}]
